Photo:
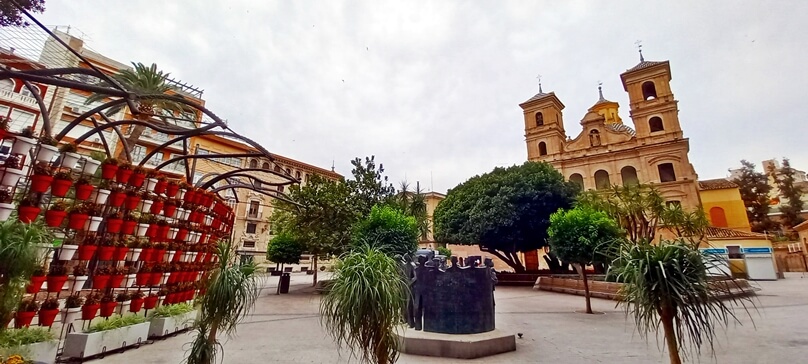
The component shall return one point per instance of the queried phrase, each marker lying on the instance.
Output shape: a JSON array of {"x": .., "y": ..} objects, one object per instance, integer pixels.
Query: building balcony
[{"x": 18, "y": 99}]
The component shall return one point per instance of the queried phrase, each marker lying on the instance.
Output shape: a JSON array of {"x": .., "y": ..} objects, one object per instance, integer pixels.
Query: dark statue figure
[{"x": 450, "y": 300}]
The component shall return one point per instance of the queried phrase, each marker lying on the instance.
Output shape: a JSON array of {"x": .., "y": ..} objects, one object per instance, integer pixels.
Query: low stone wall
[{"x": 610, "y": 290}]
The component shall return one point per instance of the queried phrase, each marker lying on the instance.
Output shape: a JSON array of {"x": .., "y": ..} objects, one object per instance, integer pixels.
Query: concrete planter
[
  {"x": 44, "y": 352},
  {"x": 83, "y": 345},
  {"x": 164, "y": 326}
]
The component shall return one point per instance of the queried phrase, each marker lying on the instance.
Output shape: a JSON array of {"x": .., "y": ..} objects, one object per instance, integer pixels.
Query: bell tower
[
  {"x": 654, "y": 110},
  {"x": 544, "y": 126}
]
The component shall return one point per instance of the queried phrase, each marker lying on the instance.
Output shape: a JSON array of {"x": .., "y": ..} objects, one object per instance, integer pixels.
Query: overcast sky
[{"x": 432, "y": 88}]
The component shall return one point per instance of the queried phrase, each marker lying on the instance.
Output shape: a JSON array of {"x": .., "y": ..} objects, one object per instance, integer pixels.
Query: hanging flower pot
[
  {"x": 172, "y": 189},
  {"x": 117, "y": 198},
  {"x": 46, "y": 317},
  {"x": 130, "y": 280},
  {"x": 70, "y": 314},
  {"x": 23, "y": 318},
  {"x": 88, "y": 312},
  {"x": 46, "y": 153},
  {"x": 132, "y": 201},
  {"x": 27, "y": 214},
  {"x": 93, "y": 223},
  {"x": 11, "y": 176},
  {"x": 189, "y": 196},
  {"x": 128, "y": 227},
  {"x": 66, "y": 251},
  {"x": 136, "y": 305},
  {"x": 137, "y": 178},
  {"x": 142, "y": 278},
  {"x": 83, "y": 191},
  {"x": 160, "y": 187},
  {"x": 60, "y": 187},
  {"x": 76, "y": 283},
  {"x": 172, "y": 233},
  {"x": 145, "y": 205},
  {"x": 101, "y": 196},
  {"x": 169, "y": 255},
  {"x": 40, "y": 183},
  {"x": 86, "y": 251},
  {"x": 101, "y": 281},
  {"x": 133, "y": 254},
  {"x": 120, "y": 253},
  {"x": 122, "y": 175},
  {"x": 162, "y": 232},
  {"x": 76, "y": 221},
  {"x": 56, "y": 283},
  {"x": 70, "y": 159},
  {"x": 178, "y": 255},
  {"x": 154, "y": 279},
  {"x": 141, "y": 229},
  {"x": 90, "y": 166},
  {"x": 158, "y": 255},
  {"x": 23, "y": 145},
  {"x": 157, "y": 207},
  {"x": 116, "y": 280},
  {"x": 151, "y": 232},
  {"x": 150, "y": 184},
  {"x": 5, "y": 210},
  {"x": 114, "y": 225},
  {"x": 150, "y": 302},
  {"x": 35, "y": 285},
  {"x": 164, "y": 277},
  {"x": 182, "y": 233},
  {"x": 108, "y": 308},
  {"x": 169, "y": 210},
  {"x": 105, "y": 252},
  {"x": 172, "y": 278},
  {"x": 146, "y": 254},
  {"x": 108, "y": 170},
  {"x": 54, "y": 218}
]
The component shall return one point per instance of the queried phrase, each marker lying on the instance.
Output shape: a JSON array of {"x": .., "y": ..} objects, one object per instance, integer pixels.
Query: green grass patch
[
  {"x": 171, "y": 310},
  {"x": 27, "y": 335},
  {"x": 116, "y": 323}
]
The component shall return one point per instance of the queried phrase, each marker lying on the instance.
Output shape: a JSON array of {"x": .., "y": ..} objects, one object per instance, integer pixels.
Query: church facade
[{"x": 608, "y": 152}]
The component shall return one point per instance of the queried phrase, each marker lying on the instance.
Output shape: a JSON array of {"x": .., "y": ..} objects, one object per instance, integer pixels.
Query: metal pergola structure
[{"x": 95, "y": 81}]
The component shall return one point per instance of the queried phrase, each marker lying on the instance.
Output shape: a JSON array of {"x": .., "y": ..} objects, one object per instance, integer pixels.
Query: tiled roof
[
  {"x": 716, "y": 184},
  {"x": 717, "y": 232},
  {"x": 644, "y": 64},
  {"x": 538, "y": 96}
]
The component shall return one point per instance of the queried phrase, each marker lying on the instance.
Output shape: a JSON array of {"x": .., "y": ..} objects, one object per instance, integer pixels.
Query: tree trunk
[
  {"x": 313, "y": 284},
  {"x": 586, "y": 289},
  {"x": 516, "y": 265},
  {"x": 670, "y": 335}
]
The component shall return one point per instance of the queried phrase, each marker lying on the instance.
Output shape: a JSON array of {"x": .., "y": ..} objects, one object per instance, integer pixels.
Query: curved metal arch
[
  {"x": 82, "y": 117},
  {"x": 252, "y": 179},
  {"x": 264, "y": 153},
  {"x": 55, "y": 81},
  {"x": 43, "y": 111},
  {"x": 219, "y": 177},
  {"x": 270, "y": 193},
  {"x": 127, "y": 149},
  {"x": 201, "y": 156}
]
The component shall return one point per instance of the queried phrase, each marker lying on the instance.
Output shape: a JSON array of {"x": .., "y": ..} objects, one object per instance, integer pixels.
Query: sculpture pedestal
[{"x": 461, "y": 346}]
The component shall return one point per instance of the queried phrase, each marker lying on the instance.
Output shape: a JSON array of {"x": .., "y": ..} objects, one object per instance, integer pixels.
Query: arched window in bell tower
[
  {"x": 602, "y": 180},
  {"x": 539, "y": 119},
  {"x": 578, "y": 179},
  {"x": 542, "y": 148},
  {"x": 655, "y": 124},
  {"x": 648, "y": 91}
]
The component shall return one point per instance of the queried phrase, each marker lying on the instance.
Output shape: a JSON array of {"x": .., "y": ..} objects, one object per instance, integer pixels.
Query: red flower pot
[
  {"x": 189, "y": 196},
  {"x": 46, "y": 317},
  {"x": 23, "y": 319},
  {"x": 27, "y": 214},
  {"x": 83, "y": 191},
  {"x": 106, "y": 252},
  {"x": 108, "y": 171},
  {"x": 128, "y": 227},
  {"x": 177, "y": 256},
  {"x": 172, "y": 189},
  {"x": 171, "y": 298},
  {"x": 101, "y": 281},
  {"x": 158, "y": 255},
  {"x": 122, "y": 175},
  {"x": 156, "y": 207},
  {"x": 76, "y": 221},
  {"x": 160, "y": 187},
  {"x": 116, "y": 280},
  {"x": 120, "y": 253},
  {"x": 41, "y": 182},
  {"x": 114, "y": 225},
  {"x": 35, "y": 285},
  {"x": 108, "y": 308},
  {"x": 54, "y": 218},
  {"x": 146, "y": 254},
  {"x": 86, "y": 251},
  {"x": 181, "y": 234},
  {"x": 150, "y": 302},
  {"x": 132, "y": 202},
  {"x": 162, "y": 231},
  {"x": 59, "y": 187},
  {"x": 199, "y": 257},
  {"x": 88, "y": 312},
  {"x": 136, "y": 180},
  {"x": 154, "y": 279},
  {"x": 116, "y": 199},
  {"x": 136, "y": 305},
  {"x": 172, "y": 278},
  {"x": 56, "y": 283},
  {"x": 168, "y": 210},
  {"x": 151, "y": 232},
  {"x": 142, "y": 279}
]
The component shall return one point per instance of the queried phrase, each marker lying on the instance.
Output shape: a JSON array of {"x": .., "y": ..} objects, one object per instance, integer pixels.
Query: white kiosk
[
  {"x": 759, "y": 263},
  {"x": 721, "y": 267}
]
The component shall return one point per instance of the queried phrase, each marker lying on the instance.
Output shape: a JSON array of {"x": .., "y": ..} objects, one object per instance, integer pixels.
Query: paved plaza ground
[{"x": 286, "y": 329}]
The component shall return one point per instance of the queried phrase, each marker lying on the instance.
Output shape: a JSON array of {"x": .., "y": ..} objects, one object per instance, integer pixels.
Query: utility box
[
  {"x": 759, "y": 263},
  {"x": 284, "y": 284}
]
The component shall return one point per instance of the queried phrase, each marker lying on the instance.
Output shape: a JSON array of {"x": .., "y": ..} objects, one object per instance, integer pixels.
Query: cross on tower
[
  {"x": 539, "y": 78},
  {"x": 639, "y": 48}
]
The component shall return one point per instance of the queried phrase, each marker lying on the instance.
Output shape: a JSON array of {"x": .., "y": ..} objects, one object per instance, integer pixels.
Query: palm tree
[
  {"x": 142, "y": 81},
  {"x": 413, "y": 203},
  {"x": 231, "y": 295},
  {"x": 19, "y": 257},
  {"x": 364, "y": 304},
  {"x": 667, "y": 283}
]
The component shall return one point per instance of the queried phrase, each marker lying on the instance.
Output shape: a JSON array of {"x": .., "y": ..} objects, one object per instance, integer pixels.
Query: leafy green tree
[
  {"x": 388, "y": 230},
  {"x": 667, "y": 283},
  {"x": 19, "y": 258},
  {"x": 284, "y": 249},
  {"x": 363, "y": 307},
  {"x": 230, "y": 297},
  {"x": 369, "y": 186},
  {"x": 583, "y": 236},
  {"x": 10, "y": 14},
  {"x": 446, "y": 252},
  {"x": 505, "y": 211},
  {"x": 754, "y": 187},
  {"x": 320, "y": 217},
  {"x": 792, "y": 206}
]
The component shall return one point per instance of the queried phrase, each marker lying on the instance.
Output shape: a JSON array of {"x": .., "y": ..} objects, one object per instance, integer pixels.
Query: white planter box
[
  {"x": 101, "y": 196},
  {"x": 90, "y": 166},
  {"x": 82, "y": 345},
  {"x": 70, "y": 160},
  {"x": 46, "y": 153},
  {"x": 164, "y": 326},
  {"x": 23, "y": 145},
  {"x": 66, "y": 251},
  {"x": 133, "y": 254},
  {"x": 44, "y": 352}
]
